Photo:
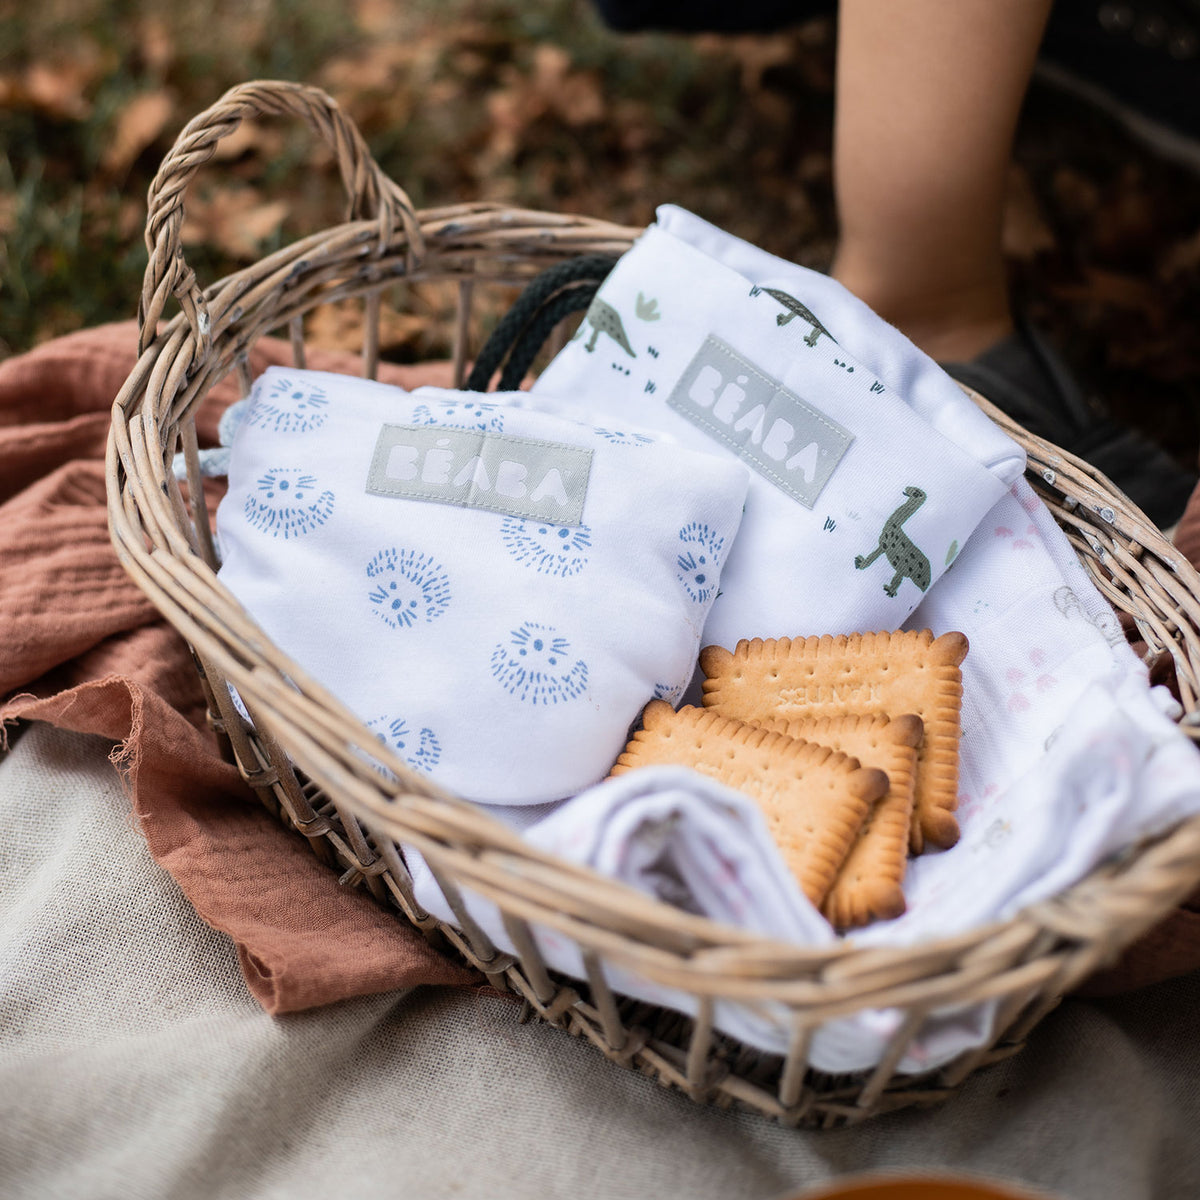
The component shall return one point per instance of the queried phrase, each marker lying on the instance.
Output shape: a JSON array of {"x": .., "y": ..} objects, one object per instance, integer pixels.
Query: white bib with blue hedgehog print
[
  {"x": 495, "y": 592},
  {"x": 869, "y": 466}
]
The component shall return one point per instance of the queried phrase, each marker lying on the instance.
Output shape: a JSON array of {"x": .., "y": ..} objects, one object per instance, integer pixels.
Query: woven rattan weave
[{"x": 354, "y": 819}]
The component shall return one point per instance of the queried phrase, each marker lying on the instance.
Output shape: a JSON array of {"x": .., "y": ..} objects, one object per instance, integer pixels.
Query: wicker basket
[{"x": 355, "y": 819}]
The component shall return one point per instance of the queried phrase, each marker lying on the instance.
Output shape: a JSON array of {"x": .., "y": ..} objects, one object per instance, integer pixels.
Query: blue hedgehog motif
[
  {"x": 421, "y": 751},
  {"x": 458, "y": 414},
  {"x": 287, "y": 504},
  {"x": 549, "y": 549},
  {"x": 671, "y": 693},
  {"x": 619, "y": 437},
  {"x": 533, "y": 667},
  {"x": 699, "y": 561},
  {"x": 409, "y": 587},
  {"x": 290, "y": 406}
]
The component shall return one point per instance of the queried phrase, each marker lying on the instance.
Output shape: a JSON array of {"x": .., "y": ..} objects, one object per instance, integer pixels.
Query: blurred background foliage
[{"x": 539, "y": 104}]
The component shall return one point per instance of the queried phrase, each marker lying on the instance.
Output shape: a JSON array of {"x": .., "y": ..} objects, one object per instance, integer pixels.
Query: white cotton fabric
[
  {"x": 503, "y": 656},
  {"x": 668, "y": 832},
  {"x": 1068, "y": 756},
  {"x": 869, "y": 473}
]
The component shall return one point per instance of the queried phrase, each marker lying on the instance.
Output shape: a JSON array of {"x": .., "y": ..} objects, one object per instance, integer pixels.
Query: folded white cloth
[
  {"x": 670, "y": 833},
  {"x": 867, "y": 480},
  {"x": 667, "y": 832},
  {"x": 496, "y": 592},
  {"x": 686, "y": 838}
]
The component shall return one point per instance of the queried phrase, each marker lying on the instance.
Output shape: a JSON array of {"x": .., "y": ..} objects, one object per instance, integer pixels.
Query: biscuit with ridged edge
[
  {"x": 815, "y": 799},
  {"x": 869, "y": 885},
  {"x": 857, "y": 674}
]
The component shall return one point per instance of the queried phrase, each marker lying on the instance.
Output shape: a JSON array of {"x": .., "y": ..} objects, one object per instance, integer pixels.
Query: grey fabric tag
[
  {"x": 522, "y": 477},
  {"x": 783, "y": 438}
]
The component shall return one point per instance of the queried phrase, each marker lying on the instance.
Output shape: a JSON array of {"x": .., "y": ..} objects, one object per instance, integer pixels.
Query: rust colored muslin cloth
[{"x": 82, "y": 648}]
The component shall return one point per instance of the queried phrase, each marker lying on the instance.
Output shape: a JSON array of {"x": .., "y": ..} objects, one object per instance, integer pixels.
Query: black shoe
[
  {"x": 1025, "y": 378},
  {"x": 1138, "y": 60}
]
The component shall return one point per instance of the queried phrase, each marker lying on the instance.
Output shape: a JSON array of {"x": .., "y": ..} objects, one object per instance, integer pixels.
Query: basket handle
[{"x": 371, "y": 192}]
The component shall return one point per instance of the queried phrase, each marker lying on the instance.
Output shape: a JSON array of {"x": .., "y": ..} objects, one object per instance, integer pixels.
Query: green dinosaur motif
[
  {"x": 605, "y": 319},
  {"x": 796, "y": 309},
  {"x": 647, "y": 310},
  {"x": 904, "y": 558}
]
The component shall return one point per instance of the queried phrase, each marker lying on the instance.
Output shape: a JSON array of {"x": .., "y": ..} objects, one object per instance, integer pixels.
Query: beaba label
[
  {"x": 782, "y": 437},
  {"x": 521, "y": 477}
]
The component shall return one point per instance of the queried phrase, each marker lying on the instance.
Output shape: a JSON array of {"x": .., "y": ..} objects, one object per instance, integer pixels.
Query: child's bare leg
[{"x": 928, "y": 95}]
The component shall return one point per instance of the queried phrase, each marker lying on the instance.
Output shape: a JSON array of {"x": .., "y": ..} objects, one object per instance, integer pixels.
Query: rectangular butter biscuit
[
  {"x": 815, "y": 799},
  {"x": 869, "y": 885},
  {"x": 853, "y": 675}
]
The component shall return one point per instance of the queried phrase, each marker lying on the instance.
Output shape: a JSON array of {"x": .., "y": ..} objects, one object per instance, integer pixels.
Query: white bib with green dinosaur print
[{"x": 868, "y": 471}]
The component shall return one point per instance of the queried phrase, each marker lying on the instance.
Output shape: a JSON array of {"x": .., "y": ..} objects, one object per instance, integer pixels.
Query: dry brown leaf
[
  {"x": 155, "y": 43},
  {"x": 512, "y": 110},
  {"x": 1076, "y": 195},
  {"x": 57, "y": 89},
  {"x": 131, "y": 217},
  {"x": 235, "y": 221},
  {"x": 580, "y": 99},
  {"x": 1110, "y": 289},
  {"x": 375, "y": 16},
  {"x": 755, "y": 55},
  {"x": 335, "y": 327},
  {"x": 1182, "y": 258},
  {"x": 1125, "y": 223},
  {"x": 550, "y": 88},
  {"x": 340, "y": 327},
  {"x": 576, "y": 96},
  {"x": 140, "y": 122},
  {"x": 250, "y": 137},
  {"x": 372, "y": 68},
  {"x": 8, "y": 213}
]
